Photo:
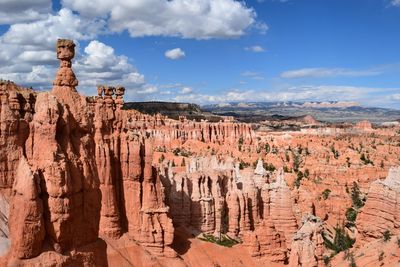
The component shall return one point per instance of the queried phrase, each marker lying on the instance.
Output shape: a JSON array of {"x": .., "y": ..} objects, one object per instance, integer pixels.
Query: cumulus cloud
[
  {"x": 14, "y": 11},
  {"x": 100, "y": 65},
  {"x": 327, "y": 72},
  {"x": 199, "y": 19},
  {"x": 27, "y": 50},
  {"x": 27, "y": 53},
  {"x": 255, "y": 48},
  {"x": 44, "y": 32},
  {"x": 174, "y": 54}
]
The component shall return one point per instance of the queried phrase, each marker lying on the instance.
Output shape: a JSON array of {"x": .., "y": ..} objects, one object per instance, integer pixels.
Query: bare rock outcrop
[
  {"x": 266, "y": 242},
  {"x": 156, "y": 230},
  {"x": 308, "y": 245},
  {"x": 26, "y": 214},
  {"x": 278, "y": 206},
  {"x": 382, "y": 209},
  {"x": 78, "y": 173}
]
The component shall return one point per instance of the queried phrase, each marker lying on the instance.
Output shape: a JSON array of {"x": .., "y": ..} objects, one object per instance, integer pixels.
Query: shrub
[
  {"x": 366, "y": 159},
  {"x": 356, "y": 196},
  {"x": 351, "y": 215},
  {"x": 348, "y": 162},
  {"x": 325, "y": 193},
  {"x": 225, "y": 240},
  {"x": 296, "y": 161},
  {"x": 267, "y": 148},
  {"x": 398, "y": 242},
  {"x": 182, "y": 152},
  {"x": 269, "y": 167},
  {"x": 240, "y": 143},
  {"x": 161, "y": 149},
  {"x": 286, "y": 169},
  {"x": 387, "y": 235},
  {"x": 352, "y": 262},
  {"x": 341, "y": 242},
  {"x": 381, "y": 256},
  {"x": 335, "y": 152},
  {"x": 327, "y": 259},
  {"x": 241, "y": 140},
  {"x": 299, "y": 178},
  {"x": 300, "y": 150},
  {"x": 306, "y": 173},
  {"x": 243, "y": 165}
]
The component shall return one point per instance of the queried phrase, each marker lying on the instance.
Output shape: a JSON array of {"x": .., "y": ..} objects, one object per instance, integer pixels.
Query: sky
[{"x": 211, "y": 51}]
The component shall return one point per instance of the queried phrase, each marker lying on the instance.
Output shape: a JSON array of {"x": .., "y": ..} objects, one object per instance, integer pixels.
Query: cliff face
[
  {"x": 74, "y": 168},
  {"x": 84, "y": 182},
  {"x": 382, "y": 209},
  {"x": 55, "y": 185},
  {"x": 308, "y": 244}
]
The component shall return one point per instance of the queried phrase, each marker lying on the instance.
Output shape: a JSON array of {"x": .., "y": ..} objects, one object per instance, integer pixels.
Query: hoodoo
[{"x": 86, "y": 181}]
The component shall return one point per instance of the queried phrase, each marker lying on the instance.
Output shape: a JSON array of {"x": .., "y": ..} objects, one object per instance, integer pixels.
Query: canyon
[{"x": 86, "y": 181}]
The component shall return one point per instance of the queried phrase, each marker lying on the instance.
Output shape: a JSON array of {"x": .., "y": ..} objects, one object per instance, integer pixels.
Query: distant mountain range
[{"x": 322, "y": 111}]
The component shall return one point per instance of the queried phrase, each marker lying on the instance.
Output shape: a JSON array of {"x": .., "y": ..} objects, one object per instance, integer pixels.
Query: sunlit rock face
[
  {"x": 382, "y": 209},
  {"x": 63, "y": 176},
  {"x": 84, "y": 182}
]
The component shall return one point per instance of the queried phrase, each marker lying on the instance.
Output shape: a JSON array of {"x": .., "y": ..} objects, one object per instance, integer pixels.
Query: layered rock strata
[
  {"x": 307, "y": 247},
  {"x": 75, "y": 168},
  {"x": 381, "y": 212}
]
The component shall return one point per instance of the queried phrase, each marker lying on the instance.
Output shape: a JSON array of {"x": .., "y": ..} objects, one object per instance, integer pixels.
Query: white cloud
[
  {"x": 320, "y": 93},
  {"x": 199, "y": 19},
  {"x": 255, "y": 48},
  {"x": 395, "y": 3},
  {"x": 253, "y": 75},
  {"x": 175, "y": 53},
  {"x": 14, "y": 11},
  {"x": 327, "y": 72},
  {"x": 395, "y": 97},
  {"x": 249, "y": 73},
  {"x": 148, "y": 90},
  {"x": 100, "y": 65},
  {"x": 261, "y": 27},
  {"x": 186, "y": 90},
  {"x": 44, "y": 33},
  {"x": 27, "y": 50}
]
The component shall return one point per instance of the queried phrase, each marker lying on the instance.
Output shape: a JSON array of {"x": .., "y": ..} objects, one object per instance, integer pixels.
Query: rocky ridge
[{"x": 87, "y": 183}]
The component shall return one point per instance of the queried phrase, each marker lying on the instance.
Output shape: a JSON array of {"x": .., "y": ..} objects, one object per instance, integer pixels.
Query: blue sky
[{"x": 219, "y": 51}]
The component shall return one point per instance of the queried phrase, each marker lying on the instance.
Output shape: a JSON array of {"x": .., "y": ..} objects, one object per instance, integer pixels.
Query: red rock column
[
  {"x": 131, "y": 166},
  {"x": 157, "y": 231},
  {"x": 232, "y": 201},
  {"x": 27, "y": 229},
  {"x": 110, "y": 225}
]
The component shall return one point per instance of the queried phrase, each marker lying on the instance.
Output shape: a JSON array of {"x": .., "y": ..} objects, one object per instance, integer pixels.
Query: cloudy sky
[{"x": 206, "y": 51}]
